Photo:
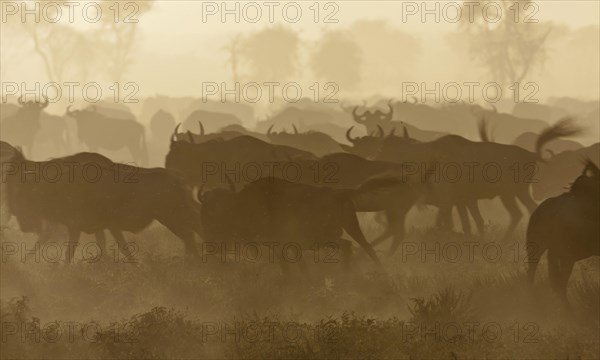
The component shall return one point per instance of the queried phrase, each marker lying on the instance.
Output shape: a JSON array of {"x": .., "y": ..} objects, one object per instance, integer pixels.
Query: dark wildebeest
[
  {"x": 97, "y": 131},
  {"x": 117, "y": 197},
  {"x": 226, "y": 133},
  {"x": 210, "y": 120},
  {"x": 275, "y": 210},
  {"x": 559, "y": 170},
  {"x": 375, "y": 119},
  {"x": 21, "y": 128},
  {"x": 207, "y": 162},
  {"x": 527, "y": 141},
  {"x": 247, "y": 159},
  {"x": 567, "y": 227},
  {"x": 315, "y": 142},
  {"x": 462, "y": 172}
]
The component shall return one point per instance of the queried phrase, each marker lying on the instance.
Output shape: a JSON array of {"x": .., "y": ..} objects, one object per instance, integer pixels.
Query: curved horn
[
  {"x": 201, "y": 128},
  {"x": 190, "y": 137},
  {"x": 175, "y": 132},
  {"x": 348, "y": 136},
  {"x": 405, "y": 132},
  {"x": 295, "y": 129},
  {"x": 69, "y": 112},
  {"x": 20, "y": 100},
  {"x": 392, "y": 131},
  {"x": 381, "y": 132},
  {"x": 269, "y": 131},
  {"x": 390, "y": 113},
  {"x": 355, "y": 116},
  {"x": 199, "y": 194}
]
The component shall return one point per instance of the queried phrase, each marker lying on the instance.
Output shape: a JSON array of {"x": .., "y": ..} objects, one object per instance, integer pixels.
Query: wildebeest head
[
  {"x": 161, "y": 123},
  {"x": 373, "y": 118},
  {"x": 15, "y": 171},
  {"x": 218, "y": 210},
  {"x": 588, "y": 183},
  {"x": 82, "y": 114},
  {"x": 365, "y": 146},
  {"x": 32, "y": 108}
]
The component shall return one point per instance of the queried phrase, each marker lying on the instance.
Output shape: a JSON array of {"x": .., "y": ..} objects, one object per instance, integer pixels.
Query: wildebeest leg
[
  {"x": 534, "y": 253},
  {"x": 464, "y": 218},
  {"x": 526, "y": 199},
  {"x": 387, "y": 232},
  {"x": 510, "y": 204},
  {"x": 473, "y": 207},
  {"x": 121, "y": 243},
  {"x": 73, "y": 240},
  {"x": 182, "y": 231},
  {"x": 559, "y": 271},
  {"x": 101, "y": 242},
  {"x": 444, "y": 218},
  {"x": 350, "y": 224},
  {"x": 397, "y": 227}
]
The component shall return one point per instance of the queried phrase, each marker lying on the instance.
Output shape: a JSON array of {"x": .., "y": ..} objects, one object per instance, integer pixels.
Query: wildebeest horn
[
  {"x": 295, "y": 128},
  {"x": 356, "y": 116},
  {"x": 199, "y": 194},
  {"x": 175, "y": 132},
  {"x": 590, "y": 166},
  {"x": 190, "y": 137},
  {"x": 269, "y": 130},
  {"x": 405, "y": 132},
  {"x": 201, "y": 128},
  {"x": 381, "y": 132},
  {"x": 348, "y": 136},
  {"x": 20, "y": 100},
  {"x": 69, "y": 112},
  {"x": 392, "y": 131}
]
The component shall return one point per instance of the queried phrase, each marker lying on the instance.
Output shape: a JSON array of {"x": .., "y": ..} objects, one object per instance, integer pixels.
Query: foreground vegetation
[{"x": 422, "y": 307}]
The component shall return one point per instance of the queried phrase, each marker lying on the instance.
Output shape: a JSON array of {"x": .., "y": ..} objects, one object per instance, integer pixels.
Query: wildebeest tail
[{"x": 564, "y": 127}]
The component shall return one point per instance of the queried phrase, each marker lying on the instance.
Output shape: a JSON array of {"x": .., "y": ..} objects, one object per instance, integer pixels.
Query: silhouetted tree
[
  {"x": 338, "y": 59},
  {"x": 118, "y": 34},
  {"x": 509, "y": 47},
  {"x": 271, "y": 53}
]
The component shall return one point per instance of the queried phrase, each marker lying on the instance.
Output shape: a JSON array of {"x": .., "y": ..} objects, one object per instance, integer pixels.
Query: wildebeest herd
[{"x": 295, "y": 179}]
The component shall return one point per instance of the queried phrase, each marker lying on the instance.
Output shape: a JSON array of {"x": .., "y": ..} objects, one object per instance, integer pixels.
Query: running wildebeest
[
  {"x": 21, "y": 128},
  {"x": 463, "y": 175},
  {"x": 272, "y": 209},
  {"x": 567, "y": 227},
  {"x": 314, "y": 142},
  {"x": 84, "y": 194},
  {"x": 97, "y": 131}
]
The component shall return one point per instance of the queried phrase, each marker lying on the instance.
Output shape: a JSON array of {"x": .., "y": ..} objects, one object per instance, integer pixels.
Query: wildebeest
[
  {"x": 560, "y": 169},
  {"x": 567, "y": 227},
  {"x": 225, "y": 133},
  {"x": 22, "y": 127},
  {"x": 83, "y": 194},
  {"x": 275, "y": 210},
  {"x": 527, "y": 141},
  {"x": 161, "y": 125},
  {"x": 97, "y": 131},
  {"x": 207, "y": 162},
  {"x": 462, "y": 173},
  {"x": 211, "y": 121},
  {"x": 375, "y": 119},
  {"x": 315, "y": 142}
]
